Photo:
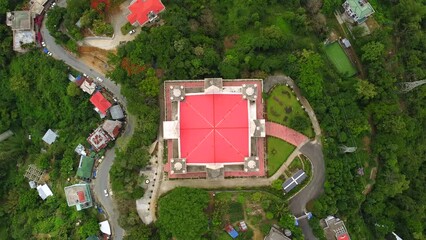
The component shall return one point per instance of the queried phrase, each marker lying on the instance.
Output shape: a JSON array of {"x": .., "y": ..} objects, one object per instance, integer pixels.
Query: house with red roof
[
  {"x": 101, "y": 103},
  {"x": 99, "y": 139},
  {"x": 144, "y": 11}
]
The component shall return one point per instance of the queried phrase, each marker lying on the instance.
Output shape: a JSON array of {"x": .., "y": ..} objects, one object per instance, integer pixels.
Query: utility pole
[
  {"x": 408, "y": 86},
  {"x": 346, "y": 149}
]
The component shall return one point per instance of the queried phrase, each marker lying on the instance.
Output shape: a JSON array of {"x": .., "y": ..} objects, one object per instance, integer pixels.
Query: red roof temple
[
  {"x": 143, "y": 11},
  {"x": 214, "y": 128},
  {"x": 100, "y": 102}
]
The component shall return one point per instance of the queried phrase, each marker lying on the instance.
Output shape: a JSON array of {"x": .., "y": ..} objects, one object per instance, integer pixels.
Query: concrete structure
[
  {"x": 44, "y": 191},
  {"x": 34, "y": 174},
  {"x": 275, "y": 234},
  {"x": 22, "y": 25},
  {"x": 358, "y": 10},
  {"x": 79, "y": 195},
  {"x": 144, "y": 11},
  {"x": 50, "y": 137},
  {"x": 112, "y": 128},
  {"x": 37, "y": 6},
  {"x": 293, "y": 181},
  {"x": 88, "y": 86},
  {"x": 334, "y": 228},
  {"x": 214, "y": 128},
  {"x": 99, "y": 139}
]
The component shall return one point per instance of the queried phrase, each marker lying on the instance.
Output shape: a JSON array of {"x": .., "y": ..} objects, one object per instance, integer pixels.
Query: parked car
[
  {"x": 49, "y": 53},
  {"x": 99, "y": 79},
  {"x": 132, "y": 31},
  {"x": 106, "y": 193},
  {"x": 43, "y": 44},
  {"x": 53, "y": 5},
  {"x": 85, "y": 75}
]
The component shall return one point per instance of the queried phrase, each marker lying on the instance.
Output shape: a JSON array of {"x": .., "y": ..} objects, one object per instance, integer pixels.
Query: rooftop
[
  {"x": 112, "y": 128},
  {"x": 19, "y": 20},
  {"x": 98, "y": 139},
  {"x": 294, "y": 180},
  {"x": 50, "y": 137},
  {"x": 275, "y": 234},
  {"x": 335, "y": 229},
  {"x": 85, "y": 167},
  {"x": 44, "y": 191},
  {"x": 88, "y": 87},
  {"x": 214, "y": 128},
  {"x": 78, "y": 195},
  {"x": 361, "y": 8},
  {"x": 140, "y": 11},
  {"x": 100, "y": 102},
  {"x": 116, "y": 112}
]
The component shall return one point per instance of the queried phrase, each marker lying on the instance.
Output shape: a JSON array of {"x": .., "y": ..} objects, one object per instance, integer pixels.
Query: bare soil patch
[{"x": 96, "y": 58}]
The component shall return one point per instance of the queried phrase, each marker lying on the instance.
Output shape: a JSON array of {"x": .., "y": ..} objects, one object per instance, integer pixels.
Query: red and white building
[
  {"x": 214, "y": 128},
  {"x": 144, "y": 11},
  {"x": 101, "y": 103},
  {"x": 99, "y": 139}
]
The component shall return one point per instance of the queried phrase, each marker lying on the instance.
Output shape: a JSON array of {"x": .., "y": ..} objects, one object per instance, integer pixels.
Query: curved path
[
  {"x": 102, "y": 179},
  {"x": 312, "y": 150}
]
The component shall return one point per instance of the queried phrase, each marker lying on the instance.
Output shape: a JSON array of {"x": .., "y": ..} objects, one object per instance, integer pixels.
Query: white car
[
  {"x": 99, "y": 79},
  {"x": 106, "y": 193},
  {"x": 49, "y": 53},
  {"x": 43, "y": 44},
  {"x": 132, "y": 31},
  {"x": 53, "y": 5}
]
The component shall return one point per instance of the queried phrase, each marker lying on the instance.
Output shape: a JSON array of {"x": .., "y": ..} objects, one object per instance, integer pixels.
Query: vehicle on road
[
  {"x": 132, "y": 31},
  {"x": 99, "y": 79},
  {"x": 53, "y": 5},
  {"x": 106, "y": 193},
  {"x": 49, "y": 53},
  {"x": 85, "y": 75},
  {"x": 43, "y": 44}
]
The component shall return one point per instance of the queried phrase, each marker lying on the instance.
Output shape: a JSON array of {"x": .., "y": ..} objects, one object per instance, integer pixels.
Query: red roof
[
  {"x": 100, "y": 102},
  {"x": 81, "y": 196},
  {"x": 344, "y": 236},
  {"x": 140, "y": 9},
  {"x": 214, "y": 128}
]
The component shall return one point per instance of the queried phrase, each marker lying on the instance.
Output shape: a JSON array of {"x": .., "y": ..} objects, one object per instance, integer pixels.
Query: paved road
[
  {"x": 313, "y": 151},
  {"x": 102, "y": 180}
]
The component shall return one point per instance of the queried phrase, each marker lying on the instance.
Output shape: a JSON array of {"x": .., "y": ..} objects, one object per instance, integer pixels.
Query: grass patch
[
  {"x": 283, "y": 25},
  {"x": 126, "y": 28},
  {"x": 278, "y": 152},
  {"x": 282, "y": 107},
  {"x": 339, "y": 59},
  {"x": 236, "y": 212}
]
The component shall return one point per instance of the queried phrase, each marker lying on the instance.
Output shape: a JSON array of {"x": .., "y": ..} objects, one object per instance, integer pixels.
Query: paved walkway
[
  {"x": 5, "y": 135},
  {"x": 287, "y": 134}
]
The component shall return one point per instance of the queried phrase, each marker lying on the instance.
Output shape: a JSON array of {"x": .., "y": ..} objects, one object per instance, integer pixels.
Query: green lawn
[
  {"x": 339, "y": 59},
  {"x": 278, "y": 152},
  {"x": 282, "y": 106}
]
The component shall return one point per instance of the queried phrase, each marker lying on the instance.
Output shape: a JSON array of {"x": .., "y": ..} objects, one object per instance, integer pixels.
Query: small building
[
  {"x": 112, "y": 128},
  {"x": 99, "y": 139},
  {"x": 88, "y": 86},
  {"x": 116, "y": 112},
  {"x": 101, "y": 103},
  {"x": 37, "y": 6},
  {"x": 293, "y": 181},
  {"x": 231, "y": 231},
  {"x": 50, "y": 137},
  {"x": 32, "y": 184},
  {"x": 79, "y": 195},
  {"x": 80, "y": 150},
  {"x": 105, "y": 227},
  {"x": 144, "y": 11},
  {"x": 276, "y": 234},
  {"x": 44, "y": 191},
  {"x": 22, "y": 25},
  {"x": 334, "y": 229},
  {"x": 85, "y": 167},
  {"x": 358, "y": 10}
]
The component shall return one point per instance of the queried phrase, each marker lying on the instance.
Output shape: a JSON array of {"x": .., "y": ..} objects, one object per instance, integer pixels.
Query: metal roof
[{"x": 295, "y": 180}]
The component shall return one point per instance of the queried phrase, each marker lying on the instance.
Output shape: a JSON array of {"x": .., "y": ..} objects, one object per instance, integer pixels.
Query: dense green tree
[{"x": 181, "y": 213}]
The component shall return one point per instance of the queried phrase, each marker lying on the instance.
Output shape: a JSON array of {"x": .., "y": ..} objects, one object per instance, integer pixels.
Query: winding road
[{"x": 102, "y": 180}]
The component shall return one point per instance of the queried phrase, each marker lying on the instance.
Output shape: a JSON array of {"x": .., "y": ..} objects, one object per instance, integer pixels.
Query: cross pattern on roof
[
  {"x": 292, "y": 182},
  {"x": 214, "y": 128}
]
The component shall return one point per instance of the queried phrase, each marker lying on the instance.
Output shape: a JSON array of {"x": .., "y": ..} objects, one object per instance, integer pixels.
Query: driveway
[
  {"x": 102, "y": 180},
  {"x": 312, "y": 150},
  {"x": 118, "y": 19}
]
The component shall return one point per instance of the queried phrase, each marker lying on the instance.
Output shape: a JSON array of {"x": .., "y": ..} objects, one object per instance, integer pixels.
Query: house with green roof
[
  {"x": 85, "y": 167},
  {"x": 358, "y": 10}
]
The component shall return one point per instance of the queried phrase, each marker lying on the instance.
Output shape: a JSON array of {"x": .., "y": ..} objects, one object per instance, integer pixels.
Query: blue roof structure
[{"x": 233, "y": 233}]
